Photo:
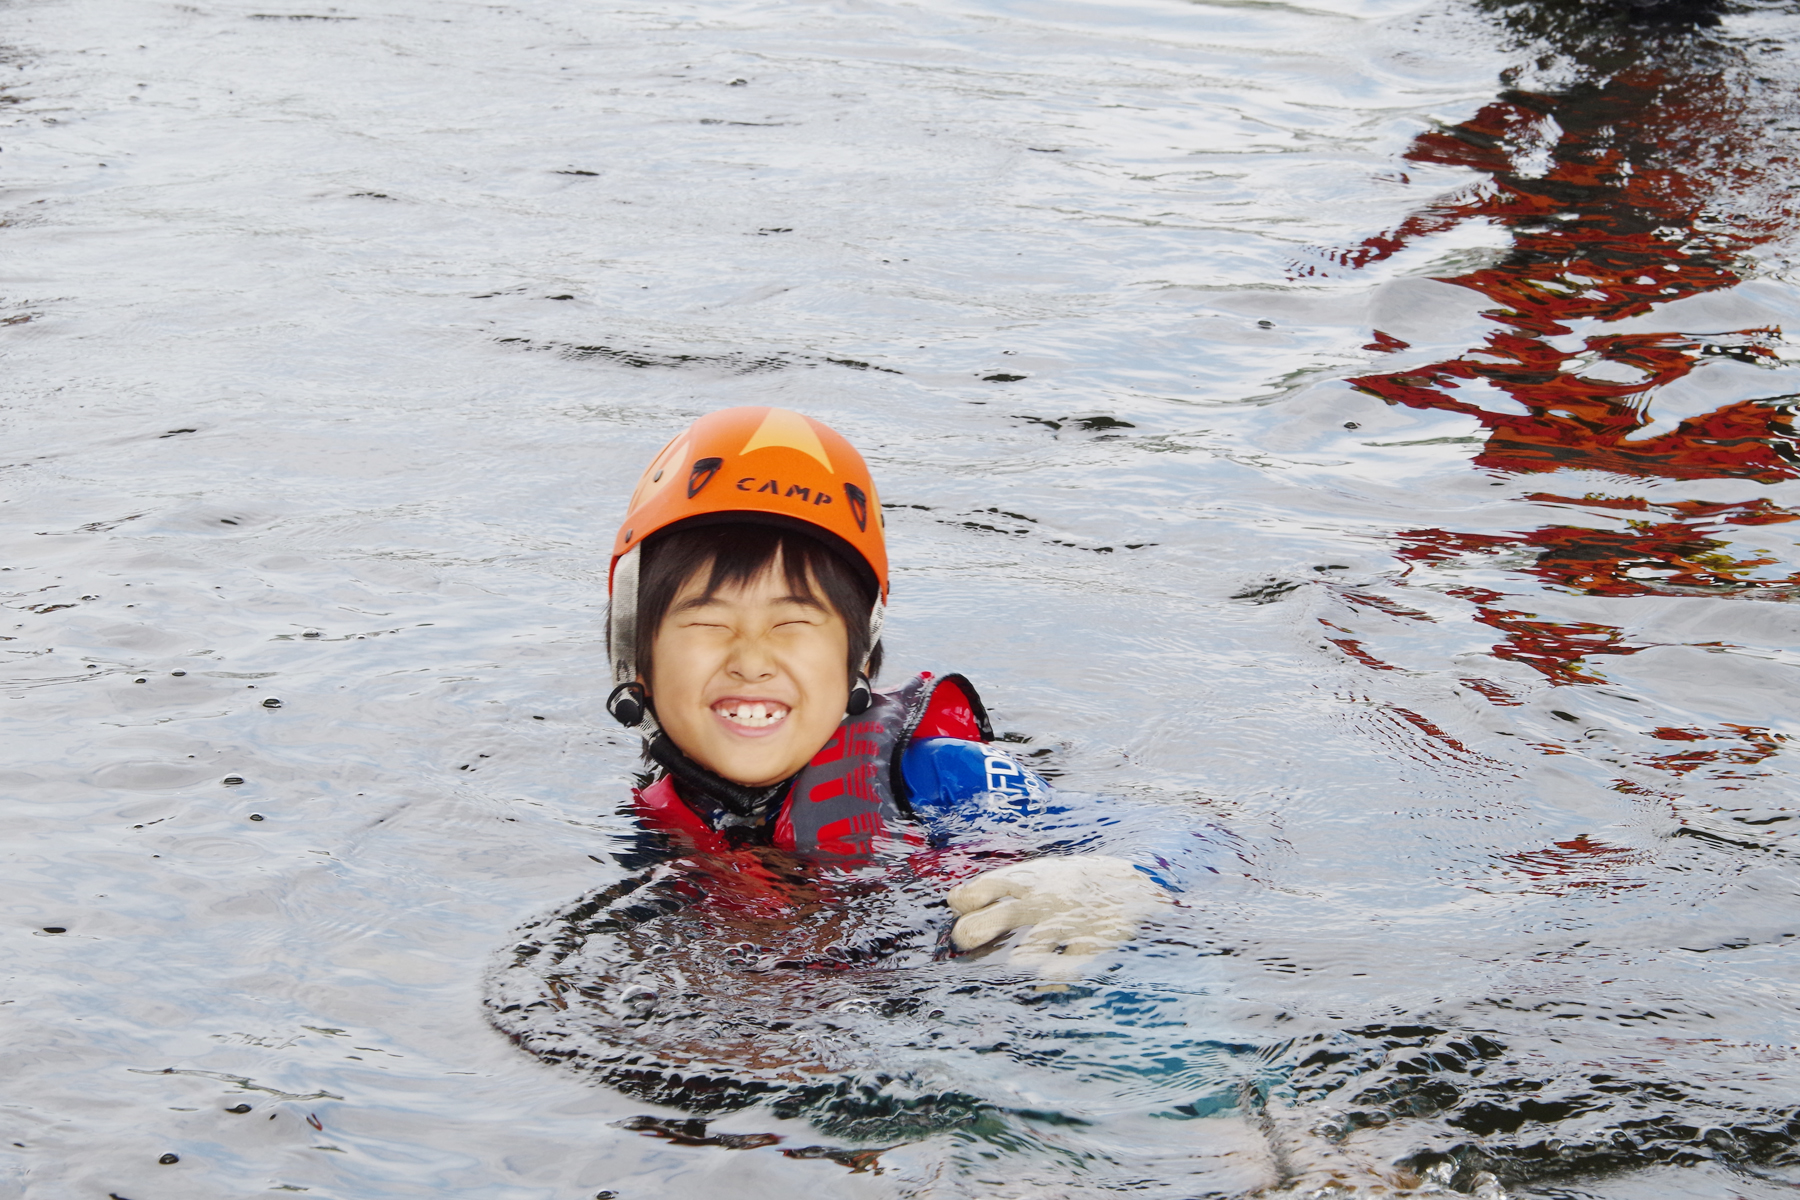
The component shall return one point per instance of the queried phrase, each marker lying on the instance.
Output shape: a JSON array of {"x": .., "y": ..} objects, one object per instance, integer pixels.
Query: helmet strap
[
  {"x": 862, "y": 692},
  {"x": 877, "y": 619},
  {"x": 629, "y": 703}
]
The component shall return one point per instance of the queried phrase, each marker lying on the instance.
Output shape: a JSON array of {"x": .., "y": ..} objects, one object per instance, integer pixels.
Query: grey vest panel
[{"x": 843, "y": 800}]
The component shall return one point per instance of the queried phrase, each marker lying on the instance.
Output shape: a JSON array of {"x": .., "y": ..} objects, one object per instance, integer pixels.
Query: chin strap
[{"x": 746, "y": 805}]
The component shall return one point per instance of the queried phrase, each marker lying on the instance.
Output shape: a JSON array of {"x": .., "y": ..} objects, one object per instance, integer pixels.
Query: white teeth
[{"x": 755, "y": 714}]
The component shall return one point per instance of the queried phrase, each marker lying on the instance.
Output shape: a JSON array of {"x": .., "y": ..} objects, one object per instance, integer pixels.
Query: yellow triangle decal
[{"x": 784, "y": 427}]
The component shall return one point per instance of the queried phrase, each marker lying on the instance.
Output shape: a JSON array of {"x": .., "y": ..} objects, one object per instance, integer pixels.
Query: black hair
[{"x": 733, "y": 554}]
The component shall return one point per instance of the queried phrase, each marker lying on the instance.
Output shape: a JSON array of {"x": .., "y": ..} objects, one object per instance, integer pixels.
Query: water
[{"x": 335, "y": 337}]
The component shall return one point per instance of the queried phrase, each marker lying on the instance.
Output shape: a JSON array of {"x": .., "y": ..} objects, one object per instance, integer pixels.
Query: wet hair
[{"x": 735, "y": 553}]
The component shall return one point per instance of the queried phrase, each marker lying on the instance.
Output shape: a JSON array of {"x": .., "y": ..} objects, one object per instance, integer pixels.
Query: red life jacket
[{"x": 853, "y": 792}]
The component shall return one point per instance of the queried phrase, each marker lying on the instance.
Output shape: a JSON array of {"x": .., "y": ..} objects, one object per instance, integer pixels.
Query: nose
[{"x": 750, "y": 660}]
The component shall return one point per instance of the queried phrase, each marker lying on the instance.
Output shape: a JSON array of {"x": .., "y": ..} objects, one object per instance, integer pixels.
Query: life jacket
[{"x": 853, "y": 793}]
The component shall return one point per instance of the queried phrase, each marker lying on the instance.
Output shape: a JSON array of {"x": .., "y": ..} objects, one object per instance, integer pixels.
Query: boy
[{"x": 748, "y": 588}]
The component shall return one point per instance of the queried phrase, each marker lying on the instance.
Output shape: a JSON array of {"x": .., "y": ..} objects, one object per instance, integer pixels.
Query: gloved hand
[{"x": 1079, "y": 906}]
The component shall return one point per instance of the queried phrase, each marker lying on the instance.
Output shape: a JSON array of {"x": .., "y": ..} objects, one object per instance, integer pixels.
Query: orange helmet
[
  {"x": 772, "y": 461},
  {"x": 748, "y": 464}
]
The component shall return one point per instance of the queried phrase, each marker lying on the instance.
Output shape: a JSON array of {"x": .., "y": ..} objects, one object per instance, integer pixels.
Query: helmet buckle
[
  {"x": 628, "y": 704},
  {"x": 862, "y": 695}
]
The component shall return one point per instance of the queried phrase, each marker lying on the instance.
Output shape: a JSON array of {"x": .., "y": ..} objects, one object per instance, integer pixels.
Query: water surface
[{"x": 1362, "y": 426}]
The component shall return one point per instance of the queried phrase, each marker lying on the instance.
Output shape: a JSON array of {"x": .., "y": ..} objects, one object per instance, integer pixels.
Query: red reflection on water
[
  {"x": 1647, "y": 557},
  {"x": 1667, "y": 553},
  {"x": 1494, "y": 692},
  {"x": 1650, "y": 182},
  {"x": 1354, "y": 648},
  {"x": 1430, "y": 729},
  {"x": 1749, "y": 745},
  {"x": 1579, "y": 862},
  {"x": 1611, "y": 193},
  {"x": 1557, "y": 649}
]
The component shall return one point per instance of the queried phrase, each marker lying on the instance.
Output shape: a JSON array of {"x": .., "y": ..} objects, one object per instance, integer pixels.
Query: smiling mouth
[{"x": 752, "y": 714}]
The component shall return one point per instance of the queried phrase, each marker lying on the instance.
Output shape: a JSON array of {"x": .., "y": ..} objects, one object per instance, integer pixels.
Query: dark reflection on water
[
  {"x": 716, "y": 983},
  {"x": 1527, "y": 1115}
]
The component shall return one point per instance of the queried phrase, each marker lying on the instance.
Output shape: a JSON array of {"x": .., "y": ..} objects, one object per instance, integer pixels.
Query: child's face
[{"x": 750, "y": 682}]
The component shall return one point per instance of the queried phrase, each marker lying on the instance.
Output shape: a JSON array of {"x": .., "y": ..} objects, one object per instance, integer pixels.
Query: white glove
[{"x": 1080, "y": 906}]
